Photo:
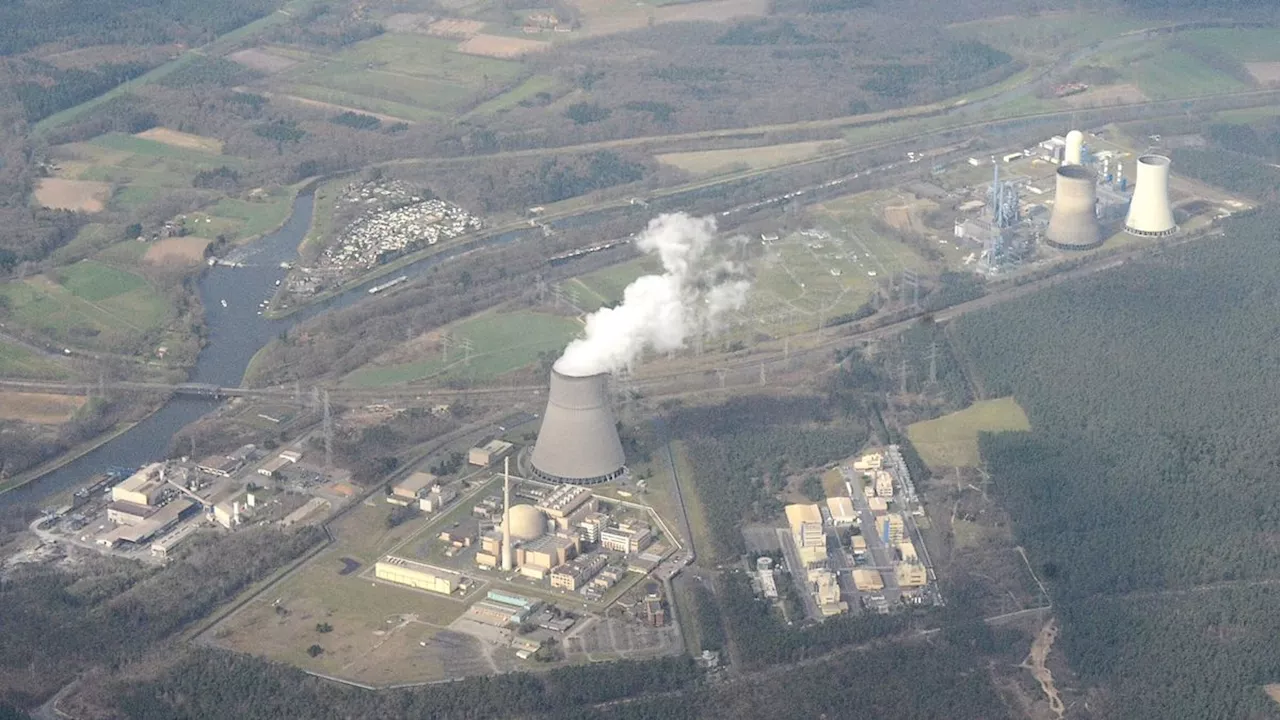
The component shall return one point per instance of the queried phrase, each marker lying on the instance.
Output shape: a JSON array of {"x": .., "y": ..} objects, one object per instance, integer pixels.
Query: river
[{"x": 234, "y": 334}]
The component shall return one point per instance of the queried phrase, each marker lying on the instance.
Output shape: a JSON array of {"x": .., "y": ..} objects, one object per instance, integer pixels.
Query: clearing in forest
[
  {"x": 952, "y": 440},
  {"x": 262, "y": 60},
  {"x": 755, "y": 158},
  {"x": 183, "y": 140},
  {"x": 39, "y": 408},
  {"x": 500, "y": 46},
  {"x": 177, "y": 251},
  {"x": 1266, "y": 73},
  {"x": 79, "y": 195}
]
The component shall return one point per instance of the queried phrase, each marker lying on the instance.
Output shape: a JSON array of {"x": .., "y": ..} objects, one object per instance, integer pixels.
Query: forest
[
  {"x": 743, "y": 452},
  {"x": 58, "y": 624},
  {"x": 1145, "y": 491}
]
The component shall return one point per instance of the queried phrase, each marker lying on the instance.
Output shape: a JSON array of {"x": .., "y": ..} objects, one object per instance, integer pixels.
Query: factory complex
[{"x": 860, "y": 550}]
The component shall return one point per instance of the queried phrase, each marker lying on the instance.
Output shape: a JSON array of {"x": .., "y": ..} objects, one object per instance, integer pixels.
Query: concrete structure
[
  {"x": 489, "y": 453},
  {"x": 497, "y": 614},
  {"x": 526, "y": 522},
  {"x": 163, "y": 548},
  {"x": 867, "y": 580},
  {"x": 1073, "y": 224},
  {"x": 806, "y": 530},
  {"x": 878, "y": 505},
  {"x": 438, "y": 497},
  {"x": 858, "y": 544},
  {"x": 911, "y": 575},
  {"x": 507, "y": 512},
  {"x": 578, "y": 572},
  {"x": 884, "y": 484},
  {"x": 403, "y": 571},
  {"x": 890, "y": 528},
  {"x": 567, "y": 505},
  {"x": 141, "y": 488},
  {"x": 842, "y": 511},
  {"x": 128, "y": 513},
  {"x": 590, "y": 527},
  {"x": 219, "y": 465},
  {"x": 826, "y": 592},
  {"x": 626, "y": 538},
  {"x": 546, "y": 552},
  {"x": 1074, "y": 152},
  {"x": 908, "y": 551},
  {"x": 410, "y": 489},
  {"x": 273, "y": 466},
  {"x": 578, "y": 442},
  {"x": 1150, "y": 214},
  {"x": 292, "y": 456}
]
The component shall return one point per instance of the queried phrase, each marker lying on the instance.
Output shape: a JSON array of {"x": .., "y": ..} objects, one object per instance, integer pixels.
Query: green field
[
  {"x": 509, "y": 99},
  {"x": 1047, "y": 35},
  {"x": 1246, "y": 45},
  {"x": 501, "y": 343},
  {"x": 86, "y": 304},
  {"x": 709, "y": 162},
  {"x": 952, "y": 440},
  {"x": 407, "y": 76},
  {"x": 18, "y": 362},
  {"x": 1172, "y": 74},
  {"x": 604, "y": 287}
]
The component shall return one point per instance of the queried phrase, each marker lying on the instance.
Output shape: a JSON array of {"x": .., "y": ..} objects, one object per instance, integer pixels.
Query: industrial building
[
  {"x": 768, "y": 583},
  {"x": 867, "y": 580},
  {"x": 156, "y": 522},
  {"x": 890, "y": 528},
  {"x": 911, "y": 575},
  {"x": 127, "y": 513},
  {"x": 841, "y": 511},
  {"x": 567, "y": 505},
  {"x": 141, "y": 488},
  {"x": 437, "y": 498},
  {"x": 826, "y": 591},
  {"x": 626, "y": 538},
  {"x": 806, "y": 531},
  {"x": 884, "y": 484},
  {"x": 403, "y": 571},
  {"x": 544, "y": 553},
  {"x": 578, "y": 442},
  {"x": 576, "y": 573},
  {"x": 220, "y": 465},
  {"x": 489, "y": 453},
  {"x": 410, "y": 489}
]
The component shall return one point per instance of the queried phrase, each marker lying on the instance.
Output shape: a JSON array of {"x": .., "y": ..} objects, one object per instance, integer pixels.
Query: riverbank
[{"x": 71, "y": 455}]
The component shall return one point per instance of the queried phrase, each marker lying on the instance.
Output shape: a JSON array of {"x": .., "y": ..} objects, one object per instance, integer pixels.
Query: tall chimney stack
[{"x": 506, "y": 514}]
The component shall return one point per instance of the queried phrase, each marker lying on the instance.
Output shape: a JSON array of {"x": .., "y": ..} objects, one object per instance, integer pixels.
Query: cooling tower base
[
  {"x": 546, "y": 477},
  {"x": 1151, "y": 233},
  {"x": 1072, "y": 246}
]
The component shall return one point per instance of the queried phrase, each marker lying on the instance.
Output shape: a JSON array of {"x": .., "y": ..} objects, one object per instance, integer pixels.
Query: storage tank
[
  {"x": 1074, "y": 154},
  {"x": 578, "y": 442},
  {"x": 1150, "y": 214},
  {"x": 1073, "y": 225},
  {"x": 527, "y": 522}
]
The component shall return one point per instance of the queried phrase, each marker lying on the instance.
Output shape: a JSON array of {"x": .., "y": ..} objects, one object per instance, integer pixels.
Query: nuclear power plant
[
  {"x": 1150, "y": 214},
  {"x": 1073, "y": 224},
  {"x": 578, "y": 443},
  {"x": 1074, "y": 152}
]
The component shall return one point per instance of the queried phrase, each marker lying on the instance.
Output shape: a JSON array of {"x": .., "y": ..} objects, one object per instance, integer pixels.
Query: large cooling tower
[
  {"x": 1074, "y": 153},
  {"x": 1150, "y": 214},
  {"x": 578, "y": 442},
  {"x": 1073, "y": 225}
]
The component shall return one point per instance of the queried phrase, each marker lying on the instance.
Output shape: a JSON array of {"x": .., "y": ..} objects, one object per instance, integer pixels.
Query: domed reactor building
[{"x": 578, "y": 443}]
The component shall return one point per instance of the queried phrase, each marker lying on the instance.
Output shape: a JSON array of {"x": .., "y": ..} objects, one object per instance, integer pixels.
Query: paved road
[{"x": 881, "y": 555}]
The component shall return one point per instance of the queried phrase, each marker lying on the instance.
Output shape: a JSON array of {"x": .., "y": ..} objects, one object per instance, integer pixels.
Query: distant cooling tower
[
  {"x": 578, "y": 443},
  {"x": 1074, "y": 154},
  {"x": 1073, "y": 225},
  {"x": 1150, "y": 214}
]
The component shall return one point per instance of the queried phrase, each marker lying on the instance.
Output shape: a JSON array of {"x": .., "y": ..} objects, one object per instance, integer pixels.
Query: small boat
[{"x": 224, "y": 303}]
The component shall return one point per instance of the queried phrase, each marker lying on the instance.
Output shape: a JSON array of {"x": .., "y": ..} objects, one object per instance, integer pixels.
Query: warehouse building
[
  {"x": 489, "y": 453},
  {"x": 219, "y": 465},
  {"x": 806, "y": 531},
  {"x": 403, "y": 571},
  {"x": 867, "y": 580},
  {"x": 141, "y": 488},
  {"x": 841, "y": 511},
  {"x": 408, "y": 490},
  {"x": 121, "y": 512}
]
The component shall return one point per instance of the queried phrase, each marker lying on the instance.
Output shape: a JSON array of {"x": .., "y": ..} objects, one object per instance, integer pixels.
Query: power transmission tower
[
  {"x": 466, "y": 346},
  {"x": 297, "y": 392},
  {"x": 763, "y": 381},
  {"x": 721, "y": 372},
  {"x": 315, "y": 398},
  {"x": 328, "y": 433},
  {"x": 902, "y": 376},
  {"x": 445, "y": 339},
  {"x": 911, "y": 278},
  {"x": 933, "y": 363}
]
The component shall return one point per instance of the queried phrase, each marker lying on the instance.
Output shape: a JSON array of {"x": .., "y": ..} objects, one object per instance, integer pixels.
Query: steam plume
[{"x": 698, "y": 284}]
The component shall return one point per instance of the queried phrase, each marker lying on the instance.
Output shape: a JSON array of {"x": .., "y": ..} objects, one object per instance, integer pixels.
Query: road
[{"x": 881, "y": 556}]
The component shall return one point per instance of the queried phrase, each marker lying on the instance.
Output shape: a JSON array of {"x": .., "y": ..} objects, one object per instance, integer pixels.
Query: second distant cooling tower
[
  {"x": 578, "y": 443},
  {"x": 1073, "y": 224},
  {"x": 1150, "y": 214}
]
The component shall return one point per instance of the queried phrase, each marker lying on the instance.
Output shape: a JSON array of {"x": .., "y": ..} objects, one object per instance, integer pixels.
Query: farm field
[
  {"x": 39, "y": 408},
  {"x": 186, "y": 141},
  {"x": 709, "y": 162},
  {"x": 1049, "y": 35},
  {"x": 951, "y": 441},
  {"x": 80, "y": 195},
  {"x": 500, "y": 343},
  {"x": 524, "y": 91},
  {"x": 406, "y": 76},
  {"x": 1171, "y": 73},
  {"x": 87, "y": 304},
  {"x": 376, "y": 627},
  {"x": 1244, "y": 44},
  {"x": 603, "y": 287}
]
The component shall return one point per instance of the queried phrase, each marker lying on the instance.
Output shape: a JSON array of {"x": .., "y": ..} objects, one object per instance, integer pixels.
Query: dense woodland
[
  {"x": 1145, "y": 492},
  {"x": 105, "y": 611}
]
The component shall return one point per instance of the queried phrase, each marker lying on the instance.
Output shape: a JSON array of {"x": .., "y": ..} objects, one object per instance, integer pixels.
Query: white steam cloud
[{"x": 698, "y": 284}]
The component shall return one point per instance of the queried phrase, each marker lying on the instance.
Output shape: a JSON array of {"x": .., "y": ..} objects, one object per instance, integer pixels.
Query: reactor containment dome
[
  {"x": 578, "y": 443},
  {"x": 1150, "y": 214},
  {"x": 1073, "y": 224},
  {"x": 527, "y": 522}
]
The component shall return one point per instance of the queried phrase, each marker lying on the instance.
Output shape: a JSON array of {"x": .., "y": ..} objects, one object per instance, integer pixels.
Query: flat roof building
[
  {"x": 408, "y": 490},
  {"x": 564, "y": 500},
  {"x": 404, "y": 571},
  {"x": 806, "y": 530},
  {"x": 141, "y": 488},
  {"x": 437, "y": 498},
  {"x": 546, "y": 552},
  {"x": 220, "y": 465},
  {"x": 889, "y": 528},
  {"x": 867, "y": 580},
  {"x": 489, "y": 453},
  {"x": 272, "y": 466},
  {"x": 626, "y": 538},
  {"x": 121, "y": 512},
  {"x": 841, "y": 510}
]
